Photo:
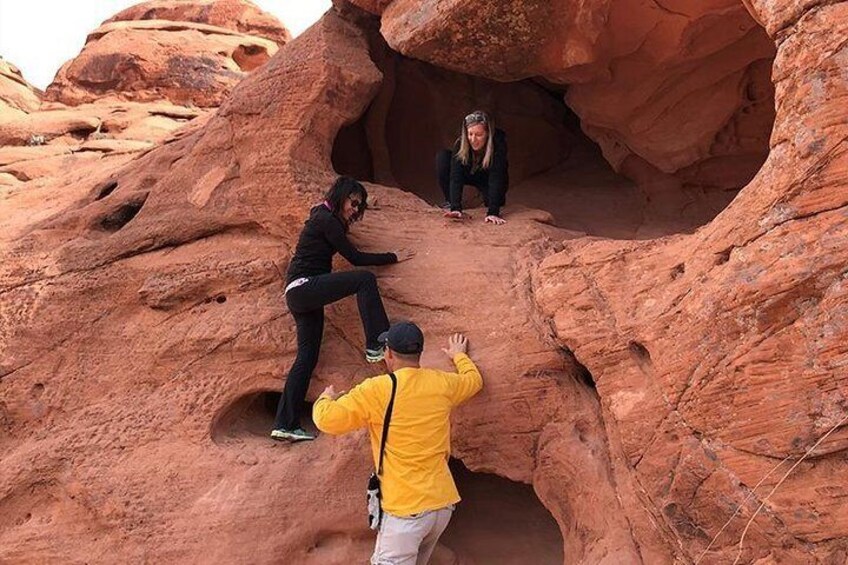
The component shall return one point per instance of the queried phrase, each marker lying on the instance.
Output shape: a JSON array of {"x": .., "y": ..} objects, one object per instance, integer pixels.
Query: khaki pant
[{"x": 410, "y": 540}]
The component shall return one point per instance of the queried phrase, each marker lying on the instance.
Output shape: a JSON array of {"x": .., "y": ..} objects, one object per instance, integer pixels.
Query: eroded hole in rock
[
  {"x": 107, "y": 189},
  {"x": 81, "y": 134},
  {"x": 575, "y": 367},
  {"x": 640, "y": 354},
  {"x": 723, "y": 256},
  {"x": 500, "y": 522},
  {"x": 120, "y": 216},
  {"x": 351, "y": 153},
  {"x": 250, "y": 57},
  {"x": 251, "y": 416},
  {"x": 553, "y": 164}
]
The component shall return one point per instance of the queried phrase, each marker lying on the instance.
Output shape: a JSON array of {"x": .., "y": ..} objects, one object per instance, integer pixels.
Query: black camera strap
[{"x": 386, "y": 421}]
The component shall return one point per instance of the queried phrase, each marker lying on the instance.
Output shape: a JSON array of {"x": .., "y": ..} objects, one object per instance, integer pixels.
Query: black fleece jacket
[
  {"x": 493, "y": 182},
  {"x": 322, "y": 237}
]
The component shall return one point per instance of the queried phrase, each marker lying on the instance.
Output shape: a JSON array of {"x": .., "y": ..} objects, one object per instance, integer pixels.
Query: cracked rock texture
[{"x": 644, "y": 389}]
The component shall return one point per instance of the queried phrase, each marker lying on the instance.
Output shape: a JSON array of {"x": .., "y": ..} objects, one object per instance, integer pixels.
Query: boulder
[
  {"x": 152, "y": 60},
  {"x": 17, "y": 96}
]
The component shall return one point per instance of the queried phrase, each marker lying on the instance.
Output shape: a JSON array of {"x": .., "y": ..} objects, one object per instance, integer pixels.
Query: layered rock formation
[
  {"x": 136, "y": 82},
  {"x": 653, "y": 393},
  {"x": 16, "y": 94},
  {"x": 719, "y": 355},
  {"x": 235, "y": 15},
  {"x": 191, "y": 53}
]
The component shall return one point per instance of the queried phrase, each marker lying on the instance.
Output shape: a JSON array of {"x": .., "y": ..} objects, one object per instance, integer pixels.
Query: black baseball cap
[{"x": 404, "y": 338}]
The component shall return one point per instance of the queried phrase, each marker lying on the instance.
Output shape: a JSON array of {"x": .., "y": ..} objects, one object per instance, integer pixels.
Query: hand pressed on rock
[
  {"x": 457, "y": 343},
  {"x": 330, "y": 392},
  {"x": 404, "y": 254},
  {"x": 497, "y": 220}
]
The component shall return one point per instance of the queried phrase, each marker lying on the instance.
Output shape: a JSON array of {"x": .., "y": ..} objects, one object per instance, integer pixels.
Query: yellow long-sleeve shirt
[{"x": 416, "y": 477}]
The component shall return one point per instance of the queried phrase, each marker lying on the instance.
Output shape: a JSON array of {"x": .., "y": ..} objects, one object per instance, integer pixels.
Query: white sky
[{"x": 39, "y": 36}]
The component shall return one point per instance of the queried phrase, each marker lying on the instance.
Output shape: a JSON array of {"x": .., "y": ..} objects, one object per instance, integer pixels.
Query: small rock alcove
[
  {"x": 250, "y": 417},
  {"x": 554, "y": 165},
  {"x": 500, "y": 522}
]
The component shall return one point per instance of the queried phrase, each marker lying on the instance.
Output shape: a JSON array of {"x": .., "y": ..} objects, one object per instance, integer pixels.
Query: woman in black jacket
[
  {"x": 310, "y": 285},
  {"x": 479, "y": 158}
]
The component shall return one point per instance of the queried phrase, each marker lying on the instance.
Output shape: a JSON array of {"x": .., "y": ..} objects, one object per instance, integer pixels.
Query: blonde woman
[{"x": 479, "y": 158}]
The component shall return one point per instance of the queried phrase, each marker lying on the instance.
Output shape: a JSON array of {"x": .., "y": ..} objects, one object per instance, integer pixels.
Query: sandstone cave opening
[
  {"x": 554, "y": 165},
  {"x": 251, "y": 416},
  {"x": 121, "y": 215},
  {"x": 500, "y": 522}
]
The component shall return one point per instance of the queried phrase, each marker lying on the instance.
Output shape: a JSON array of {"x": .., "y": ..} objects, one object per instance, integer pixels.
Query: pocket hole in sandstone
[
  {"x": 82, "y": 133},
  {"x": 251, "y": 417},
  {"x": 107, "y": 189},
  {"x": 250, "y": 57},
  {"x": 500, "y": 522},
  {"x": 577, "y": 368},
  {"x": 640, "y": 353},
  {"x": 677, "y": 271},
  {"x": 220, "y": 299},
  {"x": 723, "y": 257},
  {"x": 120, "y": 216}
]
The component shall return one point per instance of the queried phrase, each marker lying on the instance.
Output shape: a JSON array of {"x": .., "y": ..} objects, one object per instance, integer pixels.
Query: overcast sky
[{"x": 39, "y": 36}]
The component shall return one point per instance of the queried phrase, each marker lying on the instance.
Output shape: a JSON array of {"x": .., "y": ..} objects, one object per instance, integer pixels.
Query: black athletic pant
[
  {"x": 478, "y": 179},
  {"x": 306, "y": 303}
]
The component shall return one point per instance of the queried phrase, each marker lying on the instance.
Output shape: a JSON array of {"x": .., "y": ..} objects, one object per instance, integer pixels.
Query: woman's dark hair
[{"x": 340, "y": 191}]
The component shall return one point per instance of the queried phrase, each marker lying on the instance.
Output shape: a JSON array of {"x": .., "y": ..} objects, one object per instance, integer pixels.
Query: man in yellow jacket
[{"x": 417, "y": 487}]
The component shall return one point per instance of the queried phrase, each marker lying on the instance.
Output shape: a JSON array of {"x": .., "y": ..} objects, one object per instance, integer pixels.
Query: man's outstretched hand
[
  {"x": 330, "y": 392},
  {"x": 457, "y": 343}
]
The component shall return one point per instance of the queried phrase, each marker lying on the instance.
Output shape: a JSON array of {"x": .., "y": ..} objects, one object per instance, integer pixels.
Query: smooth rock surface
[{"x": 16, "y": 94}]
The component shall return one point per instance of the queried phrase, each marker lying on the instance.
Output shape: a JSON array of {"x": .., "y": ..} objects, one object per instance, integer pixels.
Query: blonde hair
[{"x": 464, "y": 155}]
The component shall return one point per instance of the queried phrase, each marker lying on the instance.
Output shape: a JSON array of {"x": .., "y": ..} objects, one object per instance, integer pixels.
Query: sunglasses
[
  {"x": 355, "y": 203},
  {"x": 475, "y": 118}
]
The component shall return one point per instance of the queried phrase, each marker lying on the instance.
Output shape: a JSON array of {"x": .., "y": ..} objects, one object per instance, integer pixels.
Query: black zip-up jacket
[
  {"x": 322, "y": 237},
  {"x": 493, "y": 182}
]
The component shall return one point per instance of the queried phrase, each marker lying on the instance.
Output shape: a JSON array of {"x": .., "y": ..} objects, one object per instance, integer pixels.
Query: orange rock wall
[{"x": 644, "y": 389}]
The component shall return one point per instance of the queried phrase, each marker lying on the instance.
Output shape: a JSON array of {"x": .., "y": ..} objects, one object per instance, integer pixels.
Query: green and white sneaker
[
  {"x": 298, "y": 434},
  {"x": 375, "y": 355}
]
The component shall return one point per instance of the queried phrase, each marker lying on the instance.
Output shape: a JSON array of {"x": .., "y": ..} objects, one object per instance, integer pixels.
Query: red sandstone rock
[
  {"x": 221, "y": 277},
  {"x": 142, "y": 321},
  {"x": 237, "y": 15},
  {"x": 40, "y": 127},
  {"x": 137, "y": 76},
  {"x": 185, "y": 52},
  {"x": 182, "y": 62},
  {"x": 374, "y": 6},
  {"x": 719, "y": 355},
  {"x": 635, "y": 70},
  {"x": 17, "y": 96},
  {"x": 33, "y": 141}
]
